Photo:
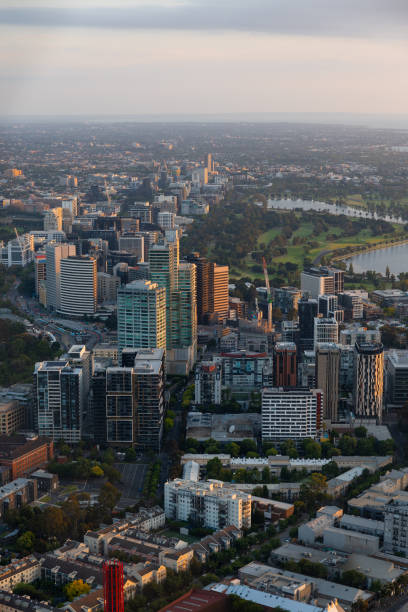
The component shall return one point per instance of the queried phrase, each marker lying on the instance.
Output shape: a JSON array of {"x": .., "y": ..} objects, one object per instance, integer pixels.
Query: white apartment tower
[
  {"x": 54, "y": 253},
  {"x": 78, "y": 286},
  {"x": 209, "y": 504},
  {"x": 291, "y": 413}
]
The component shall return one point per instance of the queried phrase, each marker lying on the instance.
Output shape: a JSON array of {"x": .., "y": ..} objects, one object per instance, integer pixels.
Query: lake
[
  {"x": 395, "y": 257},
  {"x": 332, "y": 209}
]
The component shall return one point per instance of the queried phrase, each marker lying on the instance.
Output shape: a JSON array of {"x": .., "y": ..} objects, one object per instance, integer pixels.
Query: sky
[{"x": 102, "y": 57}]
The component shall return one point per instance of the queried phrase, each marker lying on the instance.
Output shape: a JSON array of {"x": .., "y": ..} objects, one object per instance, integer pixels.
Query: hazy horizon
[{"x": 200, "y": 57}]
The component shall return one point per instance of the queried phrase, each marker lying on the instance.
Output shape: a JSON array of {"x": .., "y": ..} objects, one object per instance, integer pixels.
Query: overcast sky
[{"x": 203, "y": 56}]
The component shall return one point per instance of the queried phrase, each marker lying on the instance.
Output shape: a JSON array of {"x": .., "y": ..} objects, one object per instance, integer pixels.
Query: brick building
[{"x": 24, "y": 455}]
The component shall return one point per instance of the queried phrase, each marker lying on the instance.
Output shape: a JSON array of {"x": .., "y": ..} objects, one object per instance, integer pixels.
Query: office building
[
  {"x": 396, "y": 371},
  {"x": 199, "y": 176},
  {"x": 23, "y": 455},
  {"x": 325, "y": 330},
  {"x": 369, "y": 380},
  {"x": 327, "y": 305},
  {"x": 322, "y": 280},
  {"x": 16, "y": 494},
  {"x": 207, "y": 504},
  {"x": 166, "y": 220},
  {"x": 141, "y": 211},
  {"x": 284, "y": 364},
  {"x": 78, "y": 286},
  {"x": 307, "y": 311},
  {"x": 327, "y": 377},
  {"x": 17, "y": 252},
  {"x": 71, "y": 204},
  {"x": 286, "y": 299},
  {"x": 356, "y": 333},
  {"x": 107, "y": 287},
  {"x": 54, "y": 253},
  {"x": 53, "y": 219},
  {"x": 12, "y": 417},
  {"x": 58, "y": 396},
  {"x": 316, "y": 282},
  {"x": 291, "y": 413},
  {"x": 132, "y": 244},
  {"x": 352, "y": 304},
  {"x": 141, "y": 315},
  {"x": 208, "y": 377}
]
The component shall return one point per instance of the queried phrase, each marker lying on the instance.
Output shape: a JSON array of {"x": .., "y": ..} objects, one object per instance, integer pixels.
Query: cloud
[{"x": 350, "y": 18}]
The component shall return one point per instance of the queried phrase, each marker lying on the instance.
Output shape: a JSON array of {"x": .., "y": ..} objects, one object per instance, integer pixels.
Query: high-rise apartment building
[
  {"x": 284, "y": 364},
  {"x": 128, "y": 402},
  {"x": 396, "y": 525},
  {"x": 78, "y": 286},
  {"x": 40, "y": 262},
  {"x": 163, "y": 265},
  {"x": 219, "y": 280},
  {"x": 149, "y": 372},
  {"x": 212, "y": 289},
  {"x": 113, "y": 593},
  {"x": 203, "y": 267},
  {"x": 207, "y": 504},
  {"x": 208, "y": 378},
  {"x": 141, "y": 315},
  {"x": 184, "y": 308},
  {"x": 325, "y": 330},
  {"x": 54, "y": 253},
  {"x": 58, "y": 397},
  {"x": 327, "y": 377},
  {"x": 291, "y": 413},
  {"x": 369, "y": 380}
]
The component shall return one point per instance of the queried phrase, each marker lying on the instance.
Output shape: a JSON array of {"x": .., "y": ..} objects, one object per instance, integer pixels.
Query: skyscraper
[
  {"x": 307, "y": 310},
  {"x": 141, "y": 315},
  {"x": 58, "y": 397},
  {"x": 163, "y": 265},
  {"x": 369, "y": 380},
  {"x": 219, "y": 279},
  {"x": 203, "y": 299},
  {"x": 54, "y": 253},
  {"x": 327, "y": 377},
  {"x": 78, "y": 286},
  {"x": 184, "y": 307}
]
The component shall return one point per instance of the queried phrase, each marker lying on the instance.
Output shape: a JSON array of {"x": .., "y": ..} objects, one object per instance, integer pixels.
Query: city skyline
[{"x": 99, "y": 57}]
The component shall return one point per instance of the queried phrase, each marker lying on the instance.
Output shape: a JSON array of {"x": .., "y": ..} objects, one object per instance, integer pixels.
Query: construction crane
[
  {"x": 18, "y": 239},
  {"x": 268, "y": 294}
]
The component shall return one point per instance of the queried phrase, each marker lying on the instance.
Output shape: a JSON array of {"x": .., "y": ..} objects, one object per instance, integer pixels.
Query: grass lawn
[
  {"x": 69, "y": 489},
  {"x": 296, "y": 253},
  {"x": 170, "y": 533}
]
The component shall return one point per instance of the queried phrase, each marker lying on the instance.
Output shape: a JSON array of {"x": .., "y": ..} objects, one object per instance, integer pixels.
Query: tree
[
  {"x": 109, "y": 496},
  {"x": 130, "y": 454},
  {"x": 233, "y": 449},
  {"x": 313, "y": 492},
  {"x": 353, "y": 578},
  {"x": 76, "y": 588},
  {"x": 97, "y": 471},
  {"x": 25, "y": 542}
]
